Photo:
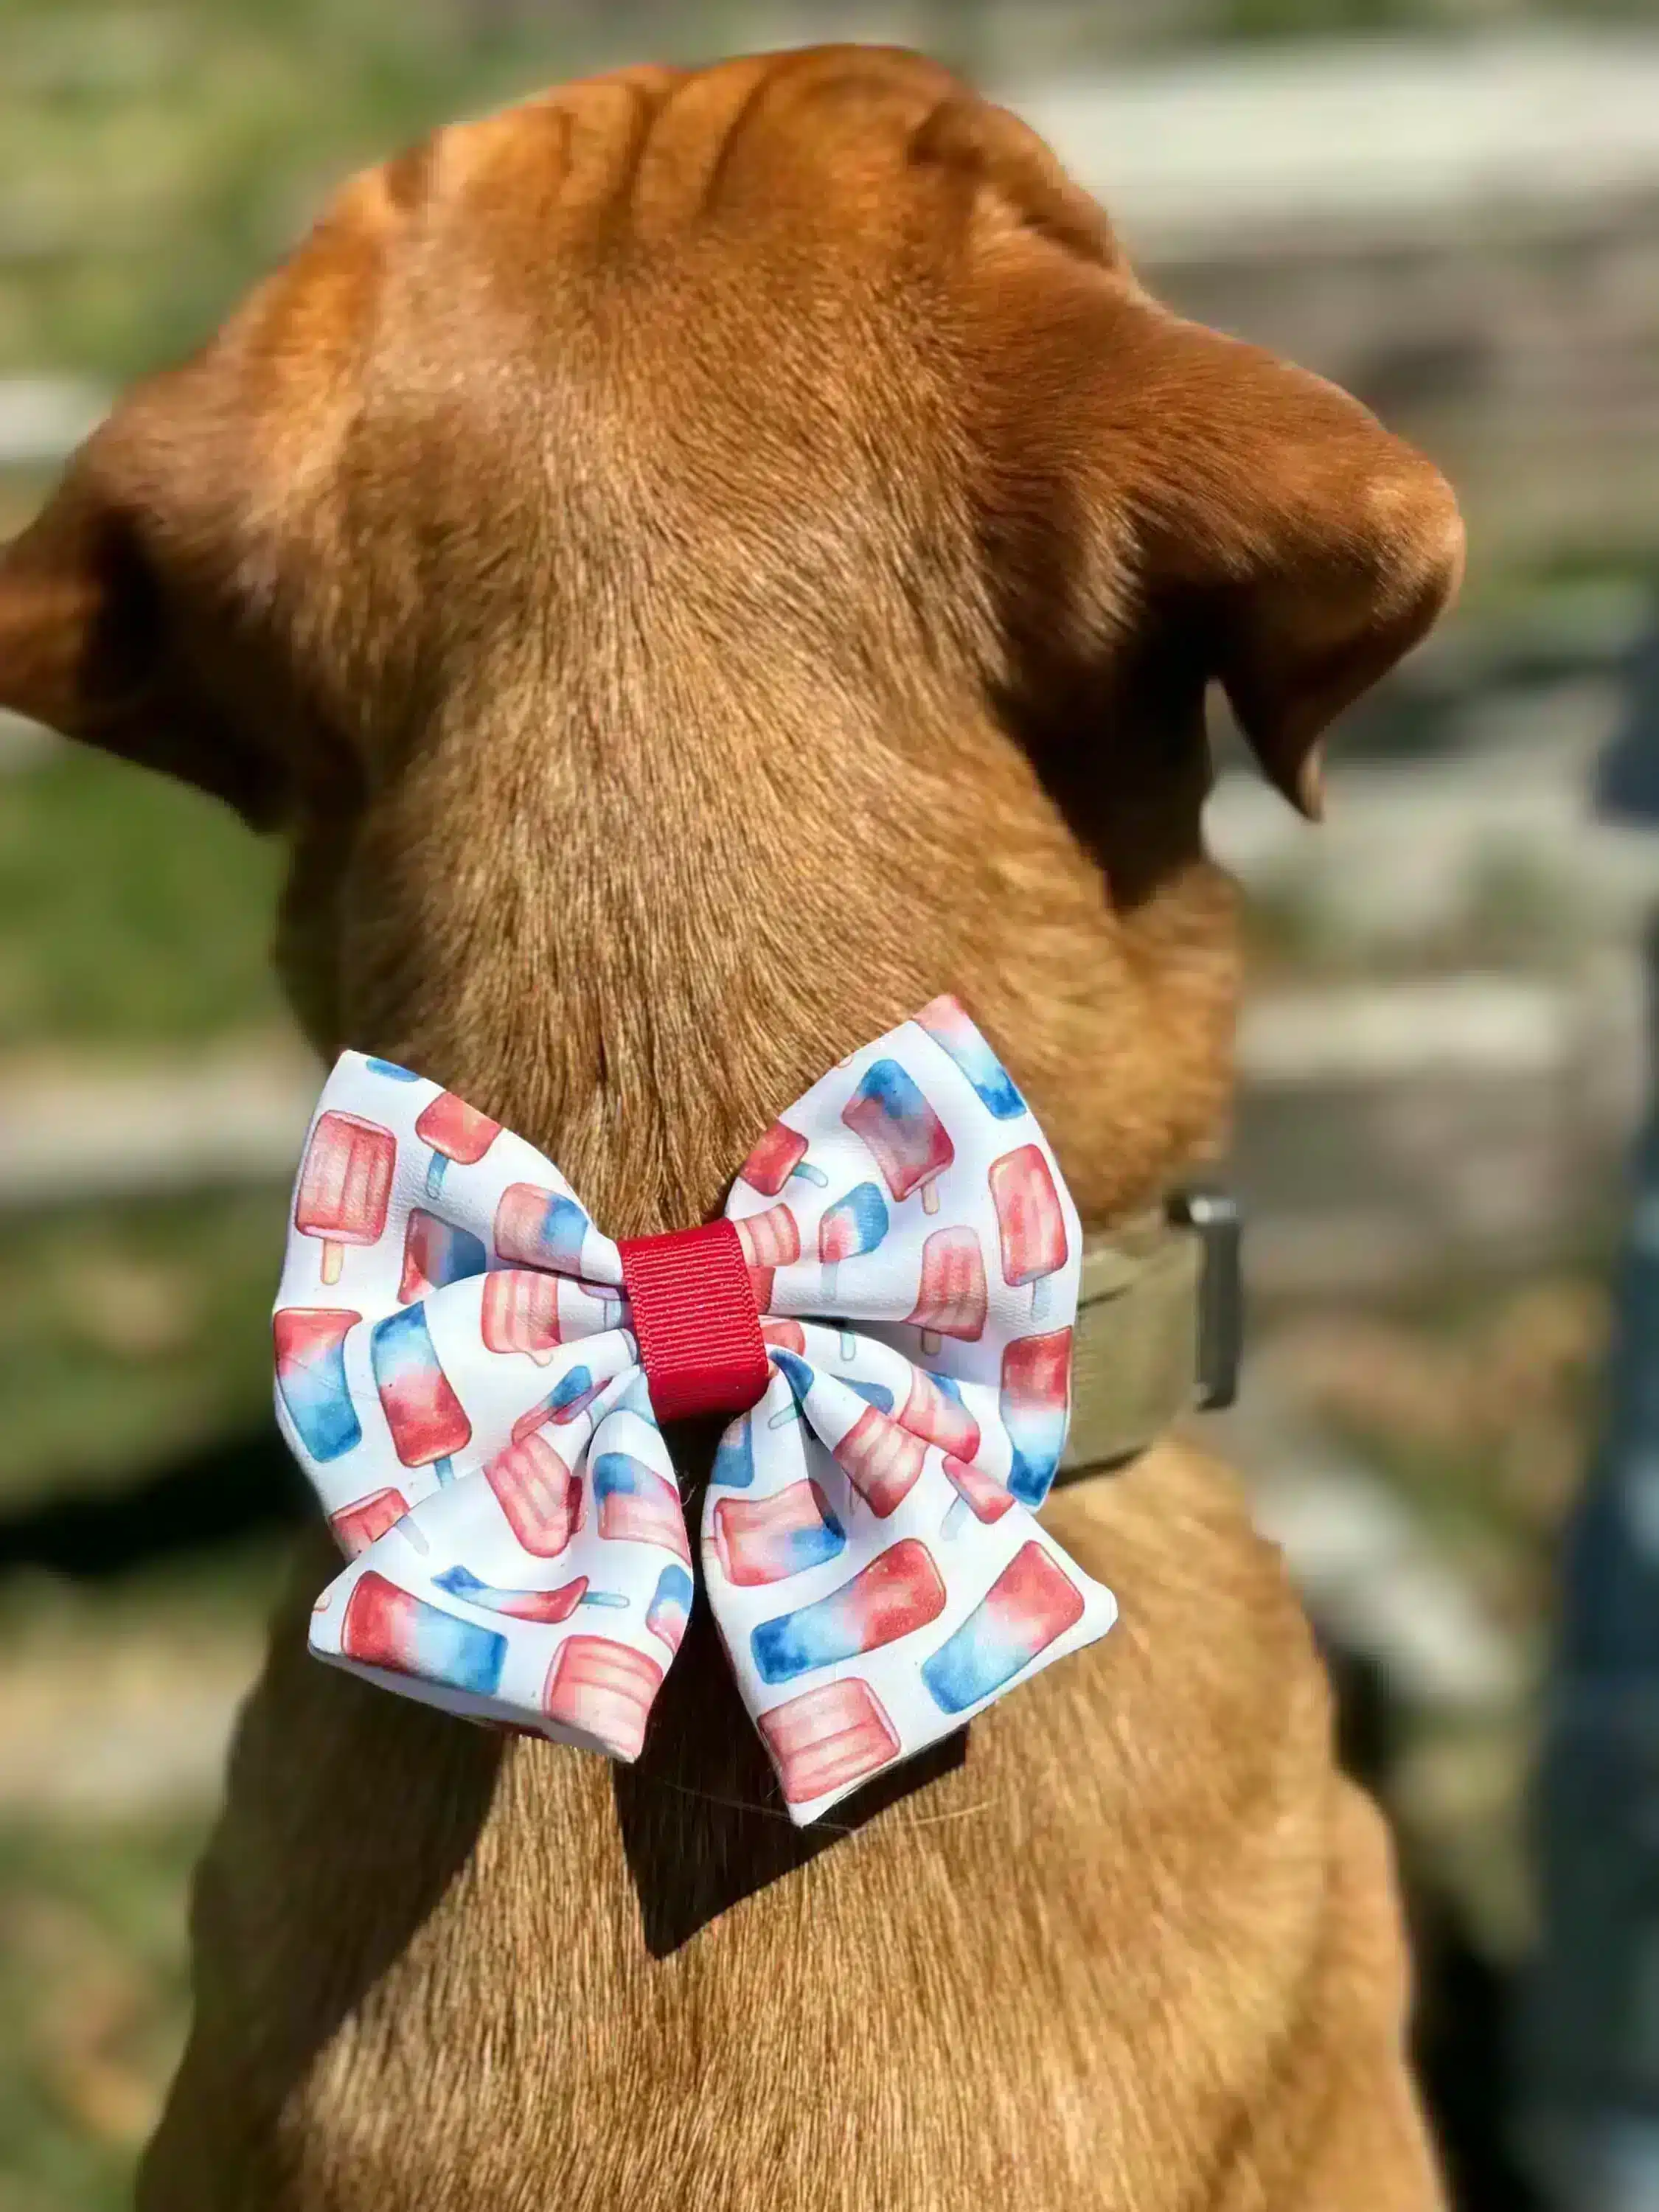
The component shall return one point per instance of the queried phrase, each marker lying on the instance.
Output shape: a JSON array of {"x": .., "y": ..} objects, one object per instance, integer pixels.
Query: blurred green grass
[
  {"x": 95, "y": 1856},
  {"x": 152, "y": 158},
  {"x": 93, "y": 2001},
  {"x": 130, "y": 1334},
  {"x": 132, "y": 913},
  {"x": 134, "y": 919}
]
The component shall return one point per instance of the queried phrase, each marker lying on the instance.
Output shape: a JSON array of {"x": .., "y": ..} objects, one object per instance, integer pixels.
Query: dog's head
[{"x": 698, "y": 563}]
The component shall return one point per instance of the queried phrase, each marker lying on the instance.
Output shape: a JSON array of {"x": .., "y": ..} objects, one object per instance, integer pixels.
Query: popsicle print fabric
[{"x": 457, "y": 1374}]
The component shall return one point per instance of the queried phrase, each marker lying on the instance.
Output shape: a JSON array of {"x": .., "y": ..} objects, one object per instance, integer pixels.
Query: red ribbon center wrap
[{"x": 694, "y": 1315}]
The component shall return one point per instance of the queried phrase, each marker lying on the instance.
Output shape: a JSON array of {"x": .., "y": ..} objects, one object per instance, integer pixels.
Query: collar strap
[{"x": 1158, "y": 1329}]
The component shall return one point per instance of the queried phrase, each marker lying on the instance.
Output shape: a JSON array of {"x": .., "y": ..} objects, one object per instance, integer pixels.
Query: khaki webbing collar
[{"x": 1157, "y": 1331}]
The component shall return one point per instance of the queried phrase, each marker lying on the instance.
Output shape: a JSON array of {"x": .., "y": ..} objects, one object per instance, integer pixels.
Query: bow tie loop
[
  {"x": 692, "y": 1310},
  {"x": 472, "y": 1375}
]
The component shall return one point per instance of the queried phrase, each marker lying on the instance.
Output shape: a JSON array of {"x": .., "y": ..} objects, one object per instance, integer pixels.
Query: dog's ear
[
  {"x": 110, "y": 601},
  {"x": 1259, "y": 524},
  {"x": 1303, "y": 548}
]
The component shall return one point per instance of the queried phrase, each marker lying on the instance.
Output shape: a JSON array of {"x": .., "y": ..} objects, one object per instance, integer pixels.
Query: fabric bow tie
[{"x": 471, "y": 1375}]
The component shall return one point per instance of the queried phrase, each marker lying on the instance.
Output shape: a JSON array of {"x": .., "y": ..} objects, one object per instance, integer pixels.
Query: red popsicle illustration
[
  {"x": 770, "y": 1240},
  {"x": 911, "y": 1145},
  {"x": 785, "y": 1335},
  {"x": 953, "y": 1300},
  {"x": 456, "y": 1132},
  {"x": 897, "y": 1593},
  {"x": 1035, "y": 1404},
  {"x": 932, "y": 1411},
  {"x": 604, "y": 1690},
  {"x": 828, "y": 1739},
  {"x": 637, "y": 1506},
  {"x": 781, "y": 1153},
  {"x": 984, "y": 1500},
  {"x": 356, "y": 1527},
  {"x": 540, "y": 1496},
  {"x": 428, "y": 1421},
  {"x": 521, "y": 1313},
  {"x": 883, "y": 1461},
  {"x": 1028, "y": 1218},
  {"x": 570, "y": 1398},
  {"x": 545, "y": 1607},
  {"x": 344, "y": 1185},
  {"x": 768, "y": 1540}
]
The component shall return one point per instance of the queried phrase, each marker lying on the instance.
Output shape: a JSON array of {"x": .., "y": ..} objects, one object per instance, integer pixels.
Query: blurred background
[{"x": 1452, "y": 207}]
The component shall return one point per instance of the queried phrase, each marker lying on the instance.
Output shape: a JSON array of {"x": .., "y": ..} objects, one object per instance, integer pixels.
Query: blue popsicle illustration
[
  {"x": 436, "y": 1254},
  {"x": 800, "y": 1378},
  {"x": 428, "y": 1421},
  {"x": 637, "y": 1505},
  {"x": 734, "y": 1462},
  {"x": 910, "y": 1143},
  {"x": 670, "y": 1608},
  {"x": 310, "y": 1377},
  {"x": 873, "y": 1394},
  {"x": 852, "y": 1227},
  {"x": 894, "y": 1595},
  {"x": 386, "y": 1626},
  {"x": 948, "y": 1024},
  {"x": 768, "y": 1540},
  {"x": 573, "y": 1394},
  {"x": 1029, "y": 1605},
  {"x": 537, "y": 1228}
]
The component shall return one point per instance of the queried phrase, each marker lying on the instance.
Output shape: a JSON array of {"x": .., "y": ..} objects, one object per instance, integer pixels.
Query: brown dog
[{"x": 693, "y": 567}]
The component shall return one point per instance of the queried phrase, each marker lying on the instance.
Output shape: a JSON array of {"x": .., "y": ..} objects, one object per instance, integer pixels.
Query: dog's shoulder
[
  {"x": 1207, "y": 1611},
  {"x": 1207, "y": 1713},
  {"x": 1158, "y": 1888}
]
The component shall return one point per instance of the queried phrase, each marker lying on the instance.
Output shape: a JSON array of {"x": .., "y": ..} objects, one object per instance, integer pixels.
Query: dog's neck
[{"x": 638, "y": 967}]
